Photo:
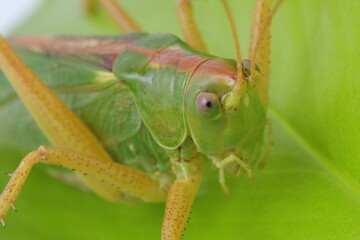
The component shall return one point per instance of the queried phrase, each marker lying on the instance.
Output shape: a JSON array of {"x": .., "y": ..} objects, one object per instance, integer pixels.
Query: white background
[{"x": 14, "y": 12}]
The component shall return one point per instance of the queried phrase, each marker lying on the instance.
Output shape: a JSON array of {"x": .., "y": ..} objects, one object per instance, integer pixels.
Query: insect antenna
[
  {"x": 260, "y": 36},
  {"x": 232, "y": 99}
]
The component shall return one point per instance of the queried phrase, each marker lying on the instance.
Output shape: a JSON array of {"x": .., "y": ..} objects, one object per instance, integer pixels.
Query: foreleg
[
  {"x": 180, "y": 198},
  {"x": 118, "y": 176}
]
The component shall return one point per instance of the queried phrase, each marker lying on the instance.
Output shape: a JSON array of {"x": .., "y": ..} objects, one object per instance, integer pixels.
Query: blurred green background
[{"x": 310, "y": 187}]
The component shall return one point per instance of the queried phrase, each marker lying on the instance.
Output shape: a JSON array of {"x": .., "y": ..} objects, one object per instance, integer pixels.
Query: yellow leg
[
  {"x": 120, "y": 16},
  {"x": 188, "y": 25},
  {"x": 180, "y": 198},
  {"x": 128, "y": 180}
]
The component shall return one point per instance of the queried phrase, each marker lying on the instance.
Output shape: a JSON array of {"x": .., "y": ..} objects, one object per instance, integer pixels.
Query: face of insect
[{"x": 217, "y": 132}]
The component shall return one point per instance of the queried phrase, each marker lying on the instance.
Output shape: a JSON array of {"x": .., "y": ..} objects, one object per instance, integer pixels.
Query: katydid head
[
  {"x": 223, "y": 109},
  {"x": 215, "y": 130}
]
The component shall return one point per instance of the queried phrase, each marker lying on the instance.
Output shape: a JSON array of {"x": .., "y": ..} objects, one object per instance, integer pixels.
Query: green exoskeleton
[{"x": 144, "y": 110}]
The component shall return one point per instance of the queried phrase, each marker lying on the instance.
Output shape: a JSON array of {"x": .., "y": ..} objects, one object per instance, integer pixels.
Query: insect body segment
[{"x": 157, "y": 69}]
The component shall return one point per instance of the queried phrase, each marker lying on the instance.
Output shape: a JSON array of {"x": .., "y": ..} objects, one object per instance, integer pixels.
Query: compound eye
[{"x": 208, "y": 105}]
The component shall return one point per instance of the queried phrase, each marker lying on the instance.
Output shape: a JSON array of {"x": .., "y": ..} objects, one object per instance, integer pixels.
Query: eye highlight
[{"x": 208, "y": 105}]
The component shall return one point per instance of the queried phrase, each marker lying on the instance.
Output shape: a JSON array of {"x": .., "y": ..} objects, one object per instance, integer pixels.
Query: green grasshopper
[{"x": 156, "y": 108}]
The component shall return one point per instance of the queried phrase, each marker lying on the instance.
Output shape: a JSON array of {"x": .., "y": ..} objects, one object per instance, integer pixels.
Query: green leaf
[{"x": 310, "y": 187}]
